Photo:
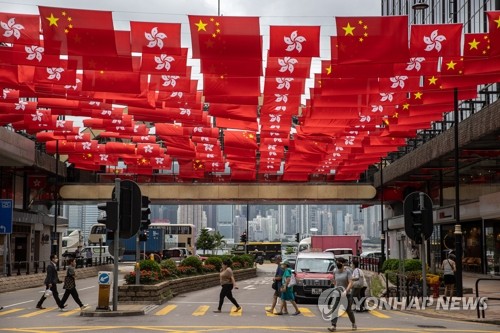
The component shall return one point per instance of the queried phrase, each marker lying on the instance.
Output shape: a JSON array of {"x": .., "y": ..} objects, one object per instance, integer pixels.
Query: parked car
[{"x": 370, "y": 257}]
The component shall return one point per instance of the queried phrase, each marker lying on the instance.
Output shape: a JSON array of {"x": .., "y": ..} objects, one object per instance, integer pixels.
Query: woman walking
[
  {"x": 287, "y": 290},
  {"x": 227, "y": 283},
  {"x": 449, "y": 268},
  {"x": 70, "y": 285},
  {"x": 343, "y": 278}
]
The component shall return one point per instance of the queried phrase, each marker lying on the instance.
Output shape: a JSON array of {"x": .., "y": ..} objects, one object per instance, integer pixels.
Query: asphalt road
[{"x": 193, "y": 312}]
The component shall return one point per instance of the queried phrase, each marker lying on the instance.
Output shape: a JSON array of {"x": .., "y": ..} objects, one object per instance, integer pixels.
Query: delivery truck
[{"x": 339, "y": 245}]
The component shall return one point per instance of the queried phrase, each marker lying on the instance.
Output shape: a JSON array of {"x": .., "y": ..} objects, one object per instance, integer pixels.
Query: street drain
[{"x": 430, "y": 326}]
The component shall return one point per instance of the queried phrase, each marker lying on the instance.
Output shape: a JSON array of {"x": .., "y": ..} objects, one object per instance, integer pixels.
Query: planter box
[{"x": 162, "y": 292}]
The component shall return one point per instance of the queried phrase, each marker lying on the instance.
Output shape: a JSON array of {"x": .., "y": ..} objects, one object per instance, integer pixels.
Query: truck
[
  {"x": 72, "y": 242},
  {"x": 155, "y": 244},
  {"x": 341, "y": 242}
]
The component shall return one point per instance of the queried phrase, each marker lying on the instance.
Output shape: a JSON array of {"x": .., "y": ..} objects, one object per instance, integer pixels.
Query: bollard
[{"x": 104, "y": 280}]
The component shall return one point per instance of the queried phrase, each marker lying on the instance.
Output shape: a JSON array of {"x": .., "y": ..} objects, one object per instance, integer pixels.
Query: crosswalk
[{"x": 171, "y": 309}]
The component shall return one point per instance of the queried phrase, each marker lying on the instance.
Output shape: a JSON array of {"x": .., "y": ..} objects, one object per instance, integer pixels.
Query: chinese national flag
[
  {"x": 225, "y": 36},
  {"x": 436, "y": 40},
  {"x": 494, "y": 31},
  {"x": 151, "y": 37},
  {"x": 476, "y": 45},
  {"x": 19, "y": 29},
  {"x": 111, "y": 81},
  {"x": 372, "y": 39},
  {"x": 77, "y": 31},
  {"x": 240, "y": 139},
  {"x": 294, "y": 41}
]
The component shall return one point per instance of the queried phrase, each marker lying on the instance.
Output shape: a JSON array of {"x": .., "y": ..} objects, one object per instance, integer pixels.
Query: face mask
[{"x": 340, "y": 266}]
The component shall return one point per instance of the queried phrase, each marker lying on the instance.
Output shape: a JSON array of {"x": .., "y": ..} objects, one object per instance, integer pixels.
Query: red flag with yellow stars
[
  {"x": 225, "y": 36},
  {"x": 372, "y": 39},
  {"x": 77, "y": 31},
  {"x": 476, "y": 45},
  {"x": 494, "y": 31}
]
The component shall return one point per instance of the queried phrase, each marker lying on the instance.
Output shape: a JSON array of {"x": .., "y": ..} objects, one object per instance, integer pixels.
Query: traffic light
[
  {"x": 297, "y": 237},
  {"x": 110, "y": 218},
  {"x": 243, "y": 237},
  {"x": 145, "y": 212}
]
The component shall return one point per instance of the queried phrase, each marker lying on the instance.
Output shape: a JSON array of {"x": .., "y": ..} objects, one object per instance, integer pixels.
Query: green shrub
[
  {"x": 170, "y": 265},
  {"x": 149, "y": 265},
  {"x": 146, "y": 277},
  {"x": 240, "y": 260},
  {"x": 248, "y": 260},
  {"x": 390, "y": 264},
  {"x": 194, "y": 262},
  {"x": 215, "y": 261},
  {"x": 207, "y": 268},
  {"x": 413, "y": 265}
]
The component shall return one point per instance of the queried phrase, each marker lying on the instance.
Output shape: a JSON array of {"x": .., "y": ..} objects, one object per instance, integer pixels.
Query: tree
[
  {"x": 205, "y": 241},
  {"x": 219, "y": 242}
]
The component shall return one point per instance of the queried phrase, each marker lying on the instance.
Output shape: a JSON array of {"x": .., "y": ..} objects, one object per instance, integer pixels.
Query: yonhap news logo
[{"x": 332, "y": 303}]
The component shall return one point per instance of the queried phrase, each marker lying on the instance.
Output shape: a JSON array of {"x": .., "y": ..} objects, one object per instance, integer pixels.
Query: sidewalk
[{"x": 487, "y": 288}]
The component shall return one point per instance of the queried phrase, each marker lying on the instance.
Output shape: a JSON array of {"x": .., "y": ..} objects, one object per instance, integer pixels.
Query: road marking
[
  {"x": 201, "y": 311},
  {"x": 378, "y": 314},
  {"x": 6, "y": 312},
  {"x": 165, "y": 310},
  {"x": 36, "y": 313},
  {"x": 235, "y": 314},
  {"x": 306, "y": 312},
  {"x": 250, "y": 287},
  {"x": 69, "y": 313}
]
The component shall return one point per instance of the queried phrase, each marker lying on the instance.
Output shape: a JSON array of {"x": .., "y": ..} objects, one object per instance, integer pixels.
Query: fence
[{"x": 480, "y": 313}]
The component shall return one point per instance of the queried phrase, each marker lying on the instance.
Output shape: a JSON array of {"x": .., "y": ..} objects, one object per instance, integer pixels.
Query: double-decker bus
[
  {"x": 179, "y": 235},
  {"x": 269, "y": 249},
  {"x": 97, "y": 235}
]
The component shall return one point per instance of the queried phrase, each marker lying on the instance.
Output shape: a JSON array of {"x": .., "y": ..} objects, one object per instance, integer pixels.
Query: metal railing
[
  {"x": 35, "y": 267},
  {"x": 480, "y": 312},
  {"x": 369, "y": 264}
]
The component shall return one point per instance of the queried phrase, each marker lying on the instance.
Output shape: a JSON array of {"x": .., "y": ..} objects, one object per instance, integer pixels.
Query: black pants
[
  {"x": 74, "y": 293},
  {"x": 349, "y": 311},
  {"x": 226, "y": 291},
  {"x": 55, "y": 294},
  {"x": 358, "y": 294}
]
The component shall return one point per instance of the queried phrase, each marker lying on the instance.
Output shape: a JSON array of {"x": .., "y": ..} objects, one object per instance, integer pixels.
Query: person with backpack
[
  {"x": 359, "y": 286},
  {"x": 287, "y": 294}
]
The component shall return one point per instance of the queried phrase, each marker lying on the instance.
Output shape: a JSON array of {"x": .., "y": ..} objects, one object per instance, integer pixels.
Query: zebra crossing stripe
[
  {"x": 201, "y": 310},
  {"x": 166, "y": 310},
  {"x": 306, "y": 312},
  {"x": 37, "y": 312},
  {"x": 378, "y": 314},
  {"x": 235, "y": 314},
  {"x": 69, "y": 313}
]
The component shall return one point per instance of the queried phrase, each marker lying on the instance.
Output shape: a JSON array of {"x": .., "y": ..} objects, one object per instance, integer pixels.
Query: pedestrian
[
  {"x": 359, "y": 286},
  {"x": 343, "y": 278},
  {"x": 70, "y": 285},
  {"x": 51, "y": 281},
  {"x": 227, "y": 283},
  {"x": 287, "y": 293},
  {"x": 449, "y": 267},
  {"x": 277, "y": 285}
]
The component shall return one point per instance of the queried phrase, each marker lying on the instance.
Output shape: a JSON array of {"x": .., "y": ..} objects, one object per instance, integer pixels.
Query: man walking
[
  {"x": 277, "y": 284},
  {"x": 51, "y": 281}
]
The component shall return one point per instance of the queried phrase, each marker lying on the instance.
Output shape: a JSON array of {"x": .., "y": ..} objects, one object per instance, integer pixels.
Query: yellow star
[
  {"x": 395, "y": 115},
  {"x": 406, "y": 106},
  {"x": 52, "y": 20},
  {"x": 329, "y": 70},
  {"x": 498, "y": 22},
  {"x": 201, "y": 25},
  {"x": 451, "y": 65},
  {"x": 473, "y": 44},
  {"x": 432, "y": 80},
  {"x": 418, "y": 95},
  {"x": 348, "y": 30}
]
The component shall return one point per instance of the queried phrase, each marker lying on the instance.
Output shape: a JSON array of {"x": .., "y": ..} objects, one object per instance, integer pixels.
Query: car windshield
[{"x": 314, "y": 265}]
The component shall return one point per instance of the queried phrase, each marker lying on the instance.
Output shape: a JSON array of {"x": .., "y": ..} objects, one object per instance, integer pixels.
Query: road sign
[
  {"x": 418, "y": 216},
  {"x": 6, "y": 216},
  {"x": 104, "y": 277}
]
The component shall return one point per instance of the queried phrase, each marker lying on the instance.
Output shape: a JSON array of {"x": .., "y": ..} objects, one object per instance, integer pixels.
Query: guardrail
[
  {"x": 34, "y": 267},
  {"x": 481, "y": 313},
  {"x": 369, "y": 264}
]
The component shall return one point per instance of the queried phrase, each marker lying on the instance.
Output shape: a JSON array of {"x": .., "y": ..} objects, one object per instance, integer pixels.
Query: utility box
[{"x": 104, "y": 279}]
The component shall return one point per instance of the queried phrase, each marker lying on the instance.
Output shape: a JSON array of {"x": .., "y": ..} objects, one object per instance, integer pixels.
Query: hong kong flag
[
  {"x": 294, "y": 41},
  {"x": 37, "y": 182}
]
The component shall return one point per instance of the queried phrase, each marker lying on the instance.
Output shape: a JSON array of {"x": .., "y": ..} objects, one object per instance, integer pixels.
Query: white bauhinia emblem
[
  {"x": 34, "y": 52},
  {"x": 163, "y": 62},
  {"x": 60, "y": 123},
  {"x": 284, "y": 82},
  {"x": 277, "y": 140},
  {"x": 377, "y": 108},
  {"x": 159, "y": 160},
  {"x": 145, "y": 138},
  {"x": 55, "y": 73},
  {"x": 386, "y": 97},
  {"x": 37, "y": 116},
  {"x": 415, "y": 64},
  {"x": 169, "y": 80},
  {"x": 104, "y": 157},
  {"x": 86, "y": 145},
  {"x": 116, "y": 121},
  {"x": 339, "y": 148},
  {"x": 106, "y": 113},
  {"x": 271, "y": 147},
  {"x": 281, "y": 98},
  {"x": 136, "y": 128},
  {"x": 274, "y": 118},
  {"x": 398, "y": 81},
  {"x": 148, "y": 149},
  {"x": 280, "y": 108},
  {"x": 208, "y": 147},
  {"x": 186, "y": 112},
  {"x": 434, "y": 41},
  {"x": 364, "y": 118},
  {"x": 349, "y": 140},
  {"x": 96, "y": 103},
  {"x": 73, "y": 87},
  {"x": 155, "y": 38},
  {"x": 273, "y": 153},
  {"x": 5, "y": 93},
  {"x": 79, "y": 136},
  {"x": 198, "y": 129},
  {"x": 120, "y": 128},
  {"x": 21, "y": 105},
  {"x": 294, "y": 42},
  {"x": 287, "y": 64},
  {"x": 177, "y": 94},
  {"x": 276, "y": 127},
  {"x": 205, "y": 139},
  {"x": 274, "y": 134},
  {"x": 12, "y": 28}
]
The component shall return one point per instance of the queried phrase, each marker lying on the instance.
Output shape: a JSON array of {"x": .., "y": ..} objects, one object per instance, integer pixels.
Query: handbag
[
  {"x": 360, "y": 281},
  {"x": 293, "y": 280},
  {"x": 275, "y": 285},
  {"x": 47, "y": 293},
  {"x": 69, "y": 282}
]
